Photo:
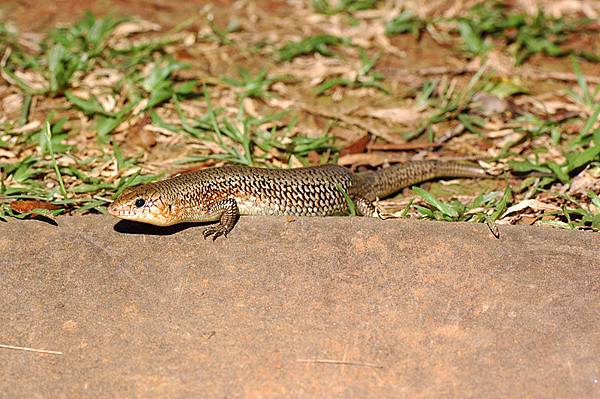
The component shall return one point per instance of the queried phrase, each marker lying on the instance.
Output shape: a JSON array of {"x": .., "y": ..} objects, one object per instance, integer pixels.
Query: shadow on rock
[{"x": 130, "y": 227}]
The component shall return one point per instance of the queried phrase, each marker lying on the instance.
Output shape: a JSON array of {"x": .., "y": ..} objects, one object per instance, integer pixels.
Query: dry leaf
[
  {"x": 128, "y": 28},
  {"x": 402, "y": 115},
  {"x": 12, "y": 103},
  {"x": 29, "y": 127},
  {"x": 357, "y": 147},
  {"x": 24, "y": 206},
  {"x": 532, "y": 204},
  {"x": 137, "y": 135},
  {"x": 372, "y": 158}
]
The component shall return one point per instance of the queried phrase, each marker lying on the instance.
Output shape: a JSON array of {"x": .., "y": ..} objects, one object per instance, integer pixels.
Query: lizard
[{"x": 222, "y": 194}]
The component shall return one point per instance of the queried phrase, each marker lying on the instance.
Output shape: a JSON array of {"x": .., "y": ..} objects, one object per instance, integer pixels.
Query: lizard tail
[{"x": 384, "y": 182}]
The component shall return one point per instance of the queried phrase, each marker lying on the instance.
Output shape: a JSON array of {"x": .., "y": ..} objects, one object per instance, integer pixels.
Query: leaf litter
[{"x": 105, "y": 102}]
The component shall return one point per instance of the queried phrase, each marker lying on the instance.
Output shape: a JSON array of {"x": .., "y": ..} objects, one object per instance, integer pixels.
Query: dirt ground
[
  {"x": 39, "y": 15},
  {"x": 32, "y": 15}
]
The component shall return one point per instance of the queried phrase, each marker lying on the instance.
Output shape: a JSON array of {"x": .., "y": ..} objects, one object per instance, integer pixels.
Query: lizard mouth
[
  {"x": 151, "y": 216},
  {"x": 112, "y": 210},
  {"x": 119, "y": 211}
]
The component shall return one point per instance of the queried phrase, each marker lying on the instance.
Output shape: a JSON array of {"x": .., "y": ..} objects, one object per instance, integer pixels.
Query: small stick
[
  {"x": 402, "y": 147},
  {"x": 529, "y": 74},
  {"x": 444, "y": 70},
  {"x": 343, "y": 362},
  {"x": 565, "y": 76},
  {"x": 22, "y": 348}
]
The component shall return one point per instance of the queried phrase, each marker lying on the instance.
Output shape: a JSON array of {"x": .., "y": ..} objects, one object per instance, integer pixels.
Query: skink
[{"x": 224, "y": 193}]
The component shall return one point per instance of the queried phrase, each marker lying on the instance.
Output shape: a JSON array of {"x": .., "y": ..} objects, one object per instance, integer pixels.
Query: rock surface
[{"x": 323, "y": 307}]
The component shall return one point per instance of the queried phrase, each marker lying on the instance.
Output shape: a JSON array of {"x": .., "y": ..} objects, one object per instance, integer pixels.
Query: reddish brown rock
[{"x": 323, "y": 307}]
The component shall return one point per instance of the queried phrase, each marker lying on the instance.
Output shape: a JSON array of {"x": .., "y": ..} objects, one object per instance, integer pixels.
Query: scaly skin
[{"x": 222, "y": 194}]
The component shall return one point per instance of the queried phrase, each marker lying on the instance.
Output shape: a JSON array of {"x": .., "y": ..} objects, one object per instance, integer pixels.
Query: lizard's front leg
[{"x": 230, "y": 214}]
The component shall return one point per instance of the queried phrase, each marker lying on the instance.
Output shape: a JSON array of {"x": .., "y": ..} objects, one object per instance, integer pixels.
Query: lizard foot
[
  {"x": 215, "y": 231},
  {"x": 229, "y": 216}
]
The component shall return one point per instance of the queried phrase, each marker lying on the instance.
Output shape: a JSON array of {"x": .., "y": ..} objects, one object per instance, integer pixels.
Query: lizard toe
[{"x": 215, "y": 231}]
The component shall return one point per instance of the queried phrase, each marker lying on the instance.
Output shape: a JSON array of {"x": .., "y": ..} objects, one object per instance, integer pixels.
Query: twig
[
  {"x": 450, "y": 134},
  {"x": 529, "y": 74},
  {"x": 402, "y": 147},
  {"x": 444, "y": 70},
  {"x": 566, "y": 76},
  {"x": 372, "y": 158},
  {"x": 342, "y": 362},
  {"x": 383, "y": 133},
  {"x": 22, "y": 348}
]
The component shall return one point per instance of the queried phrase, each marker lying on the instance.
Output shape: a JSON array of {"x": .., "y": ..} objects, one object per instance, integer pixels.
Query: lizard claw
[{"x": 215, "y": 231}]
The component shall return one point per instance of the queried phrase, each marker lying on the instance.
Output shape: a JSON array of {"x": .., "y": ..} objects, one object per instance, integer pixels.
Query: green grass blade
[{"x": 48, "y": 135}]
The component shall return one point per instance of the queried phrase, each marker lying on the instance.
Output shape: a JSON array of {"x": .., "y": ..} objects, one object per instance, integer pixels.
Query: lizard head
[{"x": 142, "y": 204}]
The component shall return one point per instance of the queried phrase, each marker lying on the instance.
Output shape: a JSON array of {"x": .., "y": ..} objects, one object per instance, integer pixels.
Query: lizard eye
[{"x": 139, "y": 202}]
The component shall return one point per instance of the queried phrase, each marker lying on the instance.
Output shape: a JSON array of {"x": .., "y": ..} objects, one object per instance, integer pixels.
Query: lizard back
[{"x": 311, "y": 191}]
